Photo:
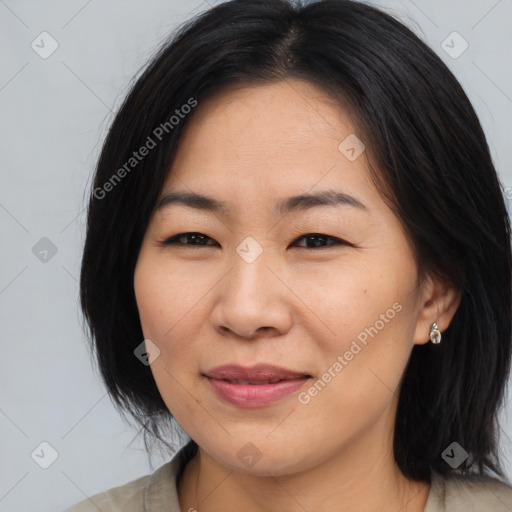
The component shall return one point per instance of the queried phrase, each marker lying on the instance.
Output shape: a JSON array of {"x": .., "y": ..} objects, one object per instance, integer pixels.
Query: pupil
[
  {"x": 197, "y": 239},
  {"x": 317, "y": 240}
]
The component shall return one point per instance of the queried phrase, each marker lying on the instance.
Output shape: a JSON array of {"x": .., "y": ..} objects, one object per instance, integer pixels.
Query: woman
[{"x": 298, "y": 248}]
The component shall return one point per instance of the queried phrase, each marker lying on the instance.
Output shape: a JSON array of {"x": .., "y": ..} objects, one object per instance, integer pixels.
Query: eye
[
  {"x": 319, "y": 241},
  {"x": 312, "y": 240},
  {"x": 194, "y": 238}
]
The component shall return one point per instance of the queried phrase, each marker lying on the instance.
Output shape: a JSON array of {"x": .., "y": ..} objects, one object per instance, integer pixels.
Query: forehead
[{"x": 271, "y": 141}]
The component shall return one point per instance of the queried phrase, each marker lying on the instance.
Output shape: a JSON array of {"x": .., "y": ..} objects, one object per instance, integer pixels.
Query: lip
[{"x": 250, "y": 387}]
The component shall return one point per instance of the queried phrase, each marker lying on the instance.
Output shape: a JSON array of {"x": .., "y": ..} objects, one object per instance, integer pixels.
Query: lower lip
[{"x": 255, "y": 395}]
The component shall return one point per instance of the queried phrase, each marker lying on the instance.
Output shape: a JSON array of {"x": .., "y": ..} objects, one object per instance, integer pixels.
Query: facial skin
[{"x": 295, "y": 306}]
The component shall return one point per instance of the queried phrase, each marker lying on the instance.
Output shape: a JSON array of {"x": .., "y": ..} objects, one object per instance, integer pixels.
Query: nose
[{"x": 252, "y": 300}]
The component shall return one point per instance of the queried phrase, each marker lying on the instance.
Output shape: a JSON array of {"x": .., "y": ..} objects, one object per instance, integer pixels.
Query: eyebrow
[{"x": 295, "y": 203}]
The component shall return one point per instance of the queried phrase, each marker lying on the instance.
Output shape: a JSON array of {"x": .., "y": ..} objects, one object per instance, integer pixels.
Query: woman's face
[{"x": 341, "y": 309}]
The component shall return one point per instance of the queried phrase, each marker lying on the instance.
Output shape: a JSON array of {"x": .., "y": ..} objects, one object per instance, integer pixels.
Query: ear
[{"x": 439, "y": 302}]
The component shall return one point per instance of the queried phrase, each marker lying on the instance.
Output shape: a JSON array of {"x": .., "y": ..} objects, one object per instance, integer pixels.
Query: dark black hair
[{"x": 426, "y": 150}]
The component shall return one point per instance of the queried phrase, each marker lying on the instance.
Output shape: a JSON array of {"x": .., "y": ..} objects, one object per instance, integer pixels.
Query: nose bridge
[
  {"x": 250, "y": 276},
  {"x": 251, "y": 296}
]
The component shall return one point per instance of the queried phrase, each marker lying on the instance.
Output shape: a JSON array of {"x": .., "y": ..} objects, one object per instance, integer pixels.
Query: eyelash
[{"x": 173, "y": 240}]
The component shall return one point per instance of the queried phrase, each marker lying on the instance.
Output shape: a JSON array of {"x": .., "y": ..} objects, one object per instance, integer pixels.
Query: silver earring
[{"x": 435, "y": 334}]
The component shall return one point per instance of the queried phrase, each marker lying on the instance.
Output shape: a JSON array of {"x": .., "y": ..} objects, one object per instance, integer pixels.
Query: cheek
[
  {"x": 346, "y": 297},
  {"x": 164, "y": 295},
  {"x": 151, "y": 299},
  {"x": 369, "y": 313},
  {"x": 164, "y": 302},
  {"x": 171, "y": 309}
]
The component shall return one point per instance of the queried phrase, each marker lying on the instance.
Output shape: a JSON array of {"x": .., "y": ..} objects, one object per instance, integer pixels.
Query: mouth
[
  {"x": 258, "y": 386},
  {"x": 253, "y": 382},
  {"x": 258, "y": 374}
]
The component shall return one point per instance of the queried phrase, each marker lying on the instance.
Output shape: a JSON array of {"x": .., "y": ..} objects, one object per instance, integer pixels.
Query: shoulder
[
  {"x": 148, "y": 493},
  {"x": 127, "y": 497},
  {"x": 468, "y": 493},
  {"x": 480, "y": 492}
]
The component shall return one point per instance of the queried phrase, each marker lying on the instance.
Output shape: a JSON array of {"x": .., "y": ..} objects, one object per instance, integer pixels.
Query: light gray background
[{"x": 54, "y": 114}]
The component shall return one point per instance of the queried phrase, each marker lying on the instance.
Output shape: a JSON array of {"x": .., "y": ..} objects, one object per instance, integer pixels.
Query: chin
[{"x": 264, "y": 457}]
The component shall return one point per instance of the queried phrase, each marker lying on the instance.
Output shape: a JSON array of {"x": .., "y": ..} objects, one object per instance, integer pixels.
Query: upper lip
[{"x": 257, "y": 373}]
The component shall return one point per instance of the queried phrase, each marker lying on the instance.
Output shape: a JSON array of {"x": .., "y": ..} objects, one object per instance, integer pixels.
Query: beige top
[{"x": 157, "y": 493}]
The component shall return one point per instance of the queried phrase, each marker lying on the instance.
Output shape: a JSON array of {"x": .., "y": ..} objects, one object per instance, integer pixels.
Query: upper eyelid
[{"x": 338, "y": 240}]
